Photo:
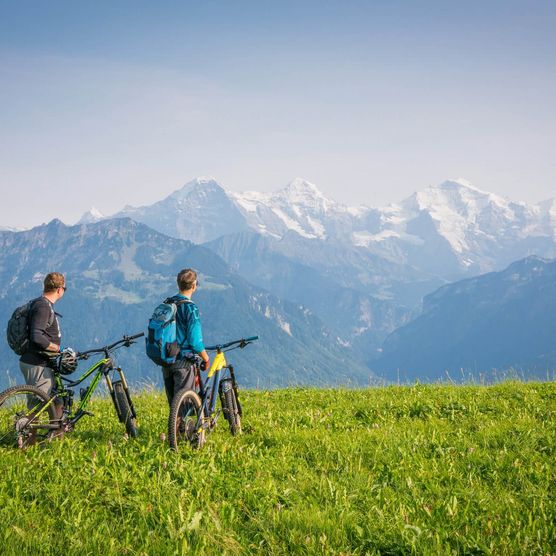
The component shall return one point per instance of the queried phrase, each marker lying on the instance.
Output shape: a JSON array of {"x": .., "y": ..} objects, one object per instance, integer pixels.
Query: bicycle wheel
[
  {"x": 24, "y": 417},
  {"x": 182, "y": 421},
  {"x": 123, "y": 409},
  {"x": 230, "y": 406}
]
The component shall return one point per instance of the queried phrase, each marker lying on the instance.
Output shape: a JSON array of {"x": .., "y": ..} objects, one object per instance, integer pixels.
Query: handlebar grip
[
  {"x": 134, "y": 337},
  {"x": 251, "y": 339}
]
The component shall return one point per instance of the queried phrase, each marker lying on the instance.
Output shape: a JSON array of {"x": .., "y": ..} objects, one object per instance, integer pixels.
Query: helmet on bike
[{"x": 68, "y": 362}]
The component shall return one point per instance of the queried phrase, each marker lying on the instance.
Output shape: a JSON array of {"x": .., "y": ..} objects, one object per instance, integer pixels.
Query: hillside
[
  {"x": 397, "y": 470},
  {"x": 498, "y": 321}
]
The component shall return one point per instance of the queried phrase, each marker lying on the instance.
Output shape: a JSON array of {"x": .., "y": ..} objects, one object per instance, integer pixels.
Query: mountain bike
[
  {"x": 193, "y": 413},
  {"x": 28, "y": 415}
]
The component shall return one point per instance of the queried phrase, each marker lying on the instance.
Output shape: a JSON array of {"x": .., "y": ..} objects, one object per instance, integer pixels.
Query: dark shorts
[{"x": 177, "y": 377}]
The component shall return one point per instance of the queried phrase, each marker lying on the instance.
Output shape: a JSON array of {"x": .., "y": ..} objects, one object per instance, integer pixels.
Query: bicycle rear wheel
[
  {"x": 26, "y": 416},
  {"x": 182, "y": 421},
  {"x": 123, "y": 409}
]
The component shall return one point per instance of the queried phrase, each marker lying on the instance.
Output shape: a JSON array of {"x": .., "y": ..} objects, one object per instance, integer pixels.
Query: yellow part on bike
[{"x": 217, "y": 364}]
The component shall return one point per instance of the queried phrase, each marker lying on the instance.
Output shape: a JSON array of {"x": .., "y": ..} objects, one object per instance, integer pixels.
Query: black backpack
[{"x": 17, "y": 331}]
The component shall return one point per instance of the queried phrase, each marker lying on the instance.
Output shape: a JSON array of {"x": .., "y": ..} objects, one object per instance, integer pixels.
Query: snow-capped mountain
[
  {"x": 200, "y": 211},
  {"x": 92, "y": 215},
  {"x": 445, "y": 231},
  {"x": 451, "y": 229},
  {"x": 479, "y": 231},
  {"x": 299, "y": 207}
]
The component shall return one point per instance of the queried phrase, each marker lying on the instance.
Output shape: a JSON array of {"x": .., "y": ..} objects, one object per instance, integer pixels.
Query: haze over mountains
[
  {"x": 353, "y": 275},
  {"x": 495, "y": 321}
]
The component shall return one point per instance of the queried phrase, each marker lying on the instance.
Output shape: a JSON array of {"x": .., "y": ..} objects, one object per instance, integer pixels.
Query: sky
[{"x": 109, "y": 104}]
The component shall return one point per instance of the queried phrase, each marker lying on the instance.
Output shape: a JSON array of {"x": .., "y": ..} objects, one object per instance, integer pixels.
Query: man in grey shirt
[{"x": 44, "y": 337}]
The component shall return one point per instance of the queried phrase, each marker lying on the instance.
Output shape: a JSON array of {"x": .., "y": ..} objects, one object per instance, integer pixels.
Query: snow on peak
[
  {"x": 95, "y": 212},
  {"x": 458, "y": 183},
  {"x": 301, "y": 185},
  {"x": 303, "y": 196},
  {"x": 300, "y": 189},
  {"x": 200, "y": 184},
  {"x": 92, "y": 215},
  {"x": 453, "y": 196},
  {"x": 459, "y": 211}
]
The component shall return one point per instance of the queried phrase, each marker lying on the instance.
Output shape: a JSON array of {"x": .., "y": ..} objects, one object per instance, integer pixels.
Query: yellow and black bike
[
  {"x": 28, "y": 415},
  {"x": 193, "y": 413}
]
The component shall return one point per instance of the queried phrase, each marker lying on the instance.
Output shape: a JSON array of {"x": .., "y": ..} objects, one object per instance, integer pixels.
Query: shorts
[
  {"x": 178, "y": 377},
  {"x": 41, "y": 377}
]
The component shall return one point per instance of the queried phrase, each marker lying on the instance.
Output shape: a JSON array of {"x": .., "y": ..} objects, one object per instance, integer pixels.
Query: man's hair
[
  {"x": 186, "y": 279},
  {"x": 53, "y": 281}
]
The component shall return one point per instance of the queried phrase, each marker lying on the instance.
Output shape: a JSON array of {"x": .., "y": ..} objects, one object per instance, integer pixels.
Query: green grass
[{"x": 395, "y": 470}]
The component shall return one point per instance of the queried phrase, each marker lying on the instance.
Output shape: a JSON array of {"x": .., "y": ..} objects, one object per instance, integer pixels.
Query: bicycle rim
[{"x": 183, "y": 420}]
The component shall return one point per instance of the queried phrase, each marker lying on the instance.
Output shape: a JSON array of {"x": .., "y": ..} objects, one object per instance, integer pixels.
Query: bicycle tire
[
  {"x": 123, "y": 409},
  {"x": 231, "y": 411},
  {"x": 184, "y": 413},
  {"x": 16, "y": 416}
]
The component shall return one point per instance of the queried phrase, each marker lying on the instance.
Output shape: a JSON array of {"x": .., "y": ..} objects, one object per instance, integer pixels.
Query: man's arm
[{"x": 195, "y": 334}]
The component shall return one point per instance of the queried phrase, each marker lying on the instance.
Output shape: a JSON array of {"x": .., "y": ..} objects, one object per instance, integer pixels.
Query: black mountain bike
[
  {"x": 193, "y": 413},
  {"x": 28, "y": 415}
]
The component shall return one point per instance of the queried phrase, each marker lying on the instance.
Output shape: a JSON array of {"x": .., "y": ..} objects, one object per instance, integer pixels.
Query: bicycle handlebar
[
  {"x": 241, "y": 343},
  {"x": 126, "y": 341}
]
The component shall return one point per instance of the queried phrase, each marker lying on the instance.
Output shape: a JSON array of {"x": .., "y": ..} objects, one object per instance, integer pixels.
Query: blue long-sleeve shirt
[{"x": 188, "y": 327}]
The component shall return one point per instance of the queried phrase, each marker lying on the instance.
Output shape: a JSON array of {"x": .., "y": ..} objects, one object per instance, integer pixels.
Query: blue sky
[{"x": 114, "y": 103}]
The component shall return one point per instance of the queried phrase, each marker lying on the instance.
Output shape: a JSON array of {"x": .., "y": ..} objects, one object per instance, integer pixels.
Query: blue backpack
[{"x": 161, "y": 341}]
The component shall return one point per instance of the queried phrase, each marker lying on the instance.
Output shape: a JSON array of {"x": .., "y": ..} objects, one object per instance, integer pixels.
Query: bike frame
[
  {"x": 62, "y": 391},
  {"x": 209, "y": 388}
]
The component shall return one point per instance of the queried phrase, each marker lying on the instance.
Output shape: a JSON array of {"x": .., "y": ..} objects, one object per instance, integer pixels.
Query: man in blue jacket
[{"x": 189, "y": 337}]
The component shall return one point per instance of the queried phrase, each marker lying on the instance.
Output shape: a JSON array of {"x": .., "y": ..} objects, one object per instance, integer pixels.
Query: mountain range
[
  {"x": 364, "y": 271},
  {"x": 328, "y": 283},
  {"x": 446, "y": 231},
  {"x": 118, "y": 270}
]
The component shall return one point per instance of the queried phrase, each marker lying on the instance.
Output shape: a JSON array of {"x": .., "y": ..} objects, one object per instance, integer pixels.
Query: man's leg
[
  {"x": 168, "y": 383},
  {"x": 184, "y": 377},
  {"x": 43, "y": 379},
  {"x": 38, "y": 376}
]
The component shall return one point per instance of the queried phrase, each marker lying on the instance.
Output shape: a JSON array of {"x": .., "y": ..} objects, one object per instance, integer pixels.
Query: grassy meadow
[{"x": 435, "y": 469}]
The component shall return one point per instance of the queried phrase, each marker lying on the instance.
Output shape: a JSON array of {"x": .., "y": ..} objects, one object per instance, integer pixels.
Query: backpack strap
[{"x": 177, "y": 302}]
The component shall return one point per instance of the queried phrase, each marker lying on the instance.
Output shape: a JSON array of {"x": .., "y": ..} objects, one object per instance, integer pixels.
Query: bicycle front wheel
[
  {"x": 230, "y": 408},
  {"x": 182, "y": 422},
  {"x": 123, "y": 409},
  {"x": 26, "y": 416}
]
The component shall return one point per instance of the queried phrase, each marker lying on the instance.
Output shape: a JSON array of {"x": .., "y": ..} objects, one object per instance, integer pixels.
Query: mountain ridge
[{"x": 452, "y": 229}]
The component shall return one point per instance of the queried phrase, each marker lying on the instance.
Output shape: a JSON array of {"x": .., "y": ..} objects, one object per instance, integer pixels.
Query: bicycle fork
[
  {"x": 230, "y": 384},
  {"x": 123, "y": 381},
  {"x": 208, "y": 415}
]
